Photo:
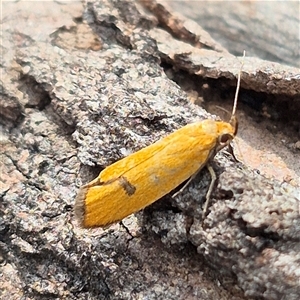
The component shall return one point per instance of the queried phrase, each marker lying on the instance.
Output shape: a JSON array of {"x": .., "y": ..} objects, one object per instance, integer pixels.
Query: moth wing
[{"x": 143, "y": 177}]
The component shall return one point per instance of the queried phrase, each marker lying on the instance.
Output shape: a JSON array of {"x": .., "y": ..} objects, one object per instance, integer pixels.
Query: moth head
[
  {"x": 224, "y": 140},
  {"x": 226, "y": 133}
]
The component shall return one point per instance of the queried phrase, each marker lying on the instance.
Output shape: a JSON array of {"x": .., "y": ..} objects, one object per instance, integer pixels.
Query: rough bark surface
[
  {"x": 81, "y": 90},
  {"x": 267, "y": 29}
]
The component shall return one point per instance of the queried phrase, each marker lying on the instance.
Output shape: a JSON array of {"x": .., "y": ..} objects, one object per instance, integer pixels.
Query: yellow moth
[{"x": 145, "y": 176}]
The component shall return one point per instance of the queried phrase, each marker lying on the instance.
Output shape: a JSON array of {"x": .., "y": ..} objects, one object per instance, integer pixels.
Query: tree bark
[{"x": 80, "y": 93}]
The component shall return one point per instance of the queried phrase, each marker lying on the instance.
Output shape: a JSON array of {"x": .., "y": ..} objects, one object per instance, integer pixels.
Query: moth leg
[
  {"x": 230, "y": 150},
  {"x": 210, "y": 189},
  {"x": 187, "y": 183}
]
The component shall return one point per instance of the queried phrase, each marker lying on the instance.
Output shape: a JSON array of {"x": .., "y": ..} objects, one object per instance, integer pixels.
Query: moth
[{"x": 145, "y": 176}]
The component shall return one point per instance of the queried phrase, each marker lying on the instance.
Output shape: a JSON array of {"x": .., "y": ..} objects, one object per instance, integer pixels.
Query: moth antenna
[{"x": 238, "y": 87}]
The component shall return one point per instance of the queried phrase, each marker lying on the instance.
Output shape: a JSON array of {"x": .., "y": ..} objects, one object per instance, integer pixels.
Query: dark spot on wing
[{"x": 127, "y": 186}]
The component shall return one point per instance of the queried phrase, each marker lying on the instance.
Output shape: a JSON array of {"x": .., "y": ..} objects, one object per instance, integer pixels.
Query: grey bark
[{"x": 75, "y": 100}]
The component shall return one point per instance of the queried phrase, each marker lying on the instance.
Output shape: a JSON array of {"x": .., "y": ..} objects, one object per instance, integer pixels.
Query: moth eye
[{"x": 224, "y": 138}]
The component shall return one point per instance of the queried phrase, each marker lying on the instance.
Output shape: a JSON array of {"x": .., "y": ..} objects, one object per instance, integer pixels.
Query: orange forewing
[{"x": 145, "y": 176}]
